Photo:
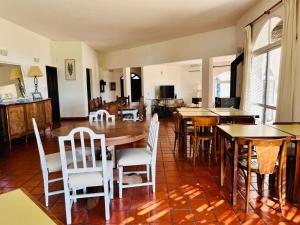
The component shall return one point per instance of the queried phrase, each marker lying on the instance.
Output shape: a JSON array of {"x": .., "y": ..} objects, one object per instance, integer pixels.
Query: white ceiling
[{"x": 116, "y": 24}]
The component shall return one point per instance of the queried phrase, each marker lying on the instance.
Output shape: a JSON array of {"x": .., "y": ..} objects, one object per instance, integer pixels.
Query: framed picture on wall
[
  {"x": 112, "y": 86},
  {"x": 70, "y": 71}
]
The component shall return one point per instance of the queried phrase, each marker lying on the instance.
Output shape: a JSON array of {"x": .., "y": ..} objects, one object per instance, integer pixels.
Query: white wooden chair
[
  {"x": 100, "y": 114},
  {"x": 140, "y": 156},
  {"x": 49, "y": 163},
  {"x": 87, "y": 173}
]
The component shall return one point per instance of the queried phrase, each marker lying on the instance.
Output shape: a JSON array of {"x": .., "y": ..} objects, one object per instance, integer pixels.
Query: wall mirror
[{"x": 11, "y": 82}]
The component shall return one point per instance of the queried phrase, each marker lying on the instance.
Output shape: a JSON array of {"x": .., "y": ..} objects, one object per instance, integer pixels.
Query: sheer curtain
[
  {"x": 285, "y": 103},
  {"x": 246, "y": 68}
]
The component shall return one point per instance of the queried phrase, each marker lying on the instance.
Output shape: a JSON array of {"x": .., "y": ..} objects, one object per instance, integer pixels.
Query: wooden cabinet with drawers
[{"x": 16, "y": 119}]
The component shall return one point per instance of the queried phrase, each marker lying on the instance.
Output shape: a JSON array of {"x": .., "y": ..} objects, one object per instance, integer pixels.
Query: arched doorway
[{"x": 136, "y": 87}]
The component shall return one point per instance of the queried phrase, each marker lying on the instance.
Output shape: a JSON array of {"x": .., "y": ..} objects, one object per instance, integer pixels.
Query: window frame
[{"x": 266, "y": 50}]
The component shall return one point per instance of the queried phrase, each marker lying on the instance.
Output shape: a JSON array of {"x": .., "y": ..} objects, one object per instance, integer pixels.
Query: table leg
[
  {"x": 221, "y": 150},
  {"x": 184, "y": 137},
  {"x": 234, "y": 173},
  {"x": 296, "y": 192}
]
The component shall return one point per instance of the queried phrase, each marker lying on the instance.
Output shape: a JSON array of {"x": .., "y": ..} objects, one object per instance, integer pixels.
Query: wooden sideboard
[{"x": 16, "y": 118}]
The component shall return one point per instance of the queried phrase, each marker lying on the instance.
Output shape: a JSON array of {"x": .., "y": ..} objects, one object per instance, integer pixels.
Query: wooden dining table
[
  {"x": 116, "y": 133},
  {"x": 294, "y": 130},
  {"x": 234, "y": 131}
]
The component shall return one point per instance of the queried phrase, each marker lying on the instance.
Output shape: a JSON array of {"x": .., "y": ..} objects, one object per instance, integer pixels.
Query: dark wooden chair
[
  {"x": 178, "y": 132},
  {"x": 264, "y": 156},
  {"x": 204, "y": 130},
  {"x": 141, "y": 109},
  {"x": 122, "y": 101},
  {"x": 112, "y": 108}
]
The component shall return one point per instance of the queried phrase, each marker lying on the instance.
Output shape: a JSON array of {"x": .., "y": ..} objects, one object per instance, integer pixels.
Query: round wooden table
[{"x": 117, "y": 133}]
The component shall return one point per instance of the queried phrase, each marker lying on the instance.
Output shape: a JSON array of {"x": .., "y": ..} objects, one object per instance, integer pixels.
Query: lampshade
[
  {"x": 15, "y": 74},
  {"x": 35, "y": 71}
]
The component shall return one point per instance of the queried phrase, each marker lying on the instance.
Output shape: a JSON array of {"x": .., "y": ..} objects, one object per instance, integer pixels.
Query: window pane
[
  {"x": 273, "y": 76},
  {"x": 222, "y": 85},
  {"x": 263, "y": 36},
  {"x": 276, "y": 26},
  {"x": 258, "y": 110},
  {"x": 270, "y": 116},
  {"x": 258, "y": 79}
]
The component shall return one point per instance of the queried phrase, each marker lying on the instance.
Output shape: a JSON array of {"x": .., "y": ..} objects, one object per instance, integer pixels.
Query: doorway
[
  {"x": 122, "y": 85},
  {"x": 51, "y": 73},
  {"x": 136, "y": 87},
  {"x": 88, "y": 83}
]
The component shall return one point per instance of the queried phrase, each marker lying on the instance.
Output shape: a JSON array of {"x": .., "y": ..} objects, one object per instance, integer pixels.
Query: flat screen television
[{"x": 167, "y": 91}]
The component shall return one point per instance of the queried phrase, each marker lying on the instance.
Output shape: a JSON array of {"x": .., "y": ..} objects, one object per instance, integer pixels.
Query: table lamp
[
  {"x": 16, "y": 75},
  {"x": 35, "y": 72}
]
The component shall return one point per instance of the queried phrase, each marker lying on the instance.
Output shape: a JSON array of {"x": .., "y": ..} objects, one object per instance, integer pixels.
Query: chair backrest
[
  {"x": 123, "y": 100},
  {"x": 40, "y": 148},
  {"x": 92, "y": 105},
  {"x": 153, "y": 136},
  {"x": 113, "y": 108},
  {"x": 80, "y": 163},
  {"x": 267, "y": 151},
  {"x": 206, "y": 121},
  {"x": 101, "y": 113}
]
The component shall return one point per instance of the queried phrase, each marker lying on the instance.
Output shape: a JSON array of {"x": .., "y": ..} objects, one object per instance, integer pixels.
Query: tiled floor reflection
[{"x": 186, "y": 194}]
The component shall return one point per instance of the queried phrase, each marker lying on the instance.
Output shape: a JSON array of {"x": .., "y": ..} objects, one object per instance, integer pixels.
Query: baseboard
[{"x": 73, "y": 118}]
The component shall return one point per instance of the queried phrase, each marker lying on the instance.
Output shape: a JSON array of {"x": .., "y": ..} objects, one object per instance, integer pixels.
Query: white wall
[
  {"x": 22, "y": 46},
  {"x": 72, "y": 93},
  {"x": 111, "y": 76},
  {"x": 204, "y": 45}
]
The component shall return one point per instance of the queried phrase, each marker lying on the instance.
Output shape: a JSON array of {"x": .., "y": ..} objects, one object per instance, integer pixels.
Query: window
[
  {"x": 222, "y": 88},
  {"x": 265, "y": 70}
]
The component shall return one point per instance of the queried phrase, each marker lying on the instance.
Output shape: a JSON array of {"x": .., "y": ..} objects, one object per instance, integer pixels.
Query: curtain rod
[{"x": 265, "y": 12}]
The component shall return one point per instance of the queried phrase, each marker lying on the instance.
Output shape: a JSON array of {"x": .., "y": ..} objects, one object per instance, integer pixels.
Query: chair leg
[
  {"x": 153, "y": 177},
  {"x": 68, "y": 206},
  {"x": 148, "y": 172},
  {"x": 260, "y": 183},
  {"x": 120, "y": 181},
  {"x": 74, "y": 194},
  {"x": 46, "y": 189},
  {"x": 195, "y": 152},
  {"x": 175, "y": 141},
  {"x": 106, "y": 200},
  {"x": 111, "y": 186}
]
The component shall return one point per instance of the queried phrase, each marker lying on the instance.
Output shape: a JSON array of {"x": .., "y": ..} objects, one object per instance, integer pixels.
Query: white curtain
[
  {"x": 246, "y": 69},
  {"x": 285, "y": 103}
]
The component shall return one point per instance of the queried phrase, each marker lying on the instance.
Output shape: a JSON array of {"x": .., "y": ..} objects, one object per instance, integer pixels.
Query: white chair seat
[
  {"x": 134, "y": 156},
  {"x": 54, "y": 163},
  {"x": 91, "y": 179},
  {"x": 82, "y": 180}
]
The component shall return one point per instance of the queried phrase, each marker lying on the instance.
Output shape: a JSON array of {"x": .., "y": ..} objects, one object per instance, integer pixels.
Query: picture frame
[
  {"x": 70, "y": 69},
  {"x": 36, "y": 95},
  {"x": 112, "y": 86}
]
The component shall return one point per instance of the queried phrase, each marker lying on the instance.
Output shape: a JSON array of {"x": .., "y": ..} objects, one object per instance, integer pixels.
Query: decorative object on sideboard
[
  {"x": 16, "y": 75},
  {"x": 112, "y": 86},
  {"x": 35, "y": 72},
  {"x": 70, "y": 69},
  {"x": 37, "y": 95},
  {"x": 102, "y": 86}
]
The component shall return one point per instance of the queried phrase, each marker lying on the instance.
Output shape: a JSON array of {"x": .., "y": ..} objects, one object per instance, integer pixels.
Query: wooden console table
[{"x": 16, "y": 118}]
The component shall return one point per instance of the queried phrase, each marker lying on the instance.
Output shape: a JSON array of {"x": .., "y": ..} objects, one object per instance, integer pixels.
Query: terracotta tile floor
[{"x": 186, "y": 194}]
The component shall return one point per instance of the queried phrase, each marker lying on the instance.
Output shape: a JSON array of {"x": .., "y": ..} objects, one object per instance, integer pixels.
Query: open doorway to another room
[
  {"x": 88, "y": 83},
  {"x": 136, "y": 83},
  {"x": 51, "y": 73}
]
